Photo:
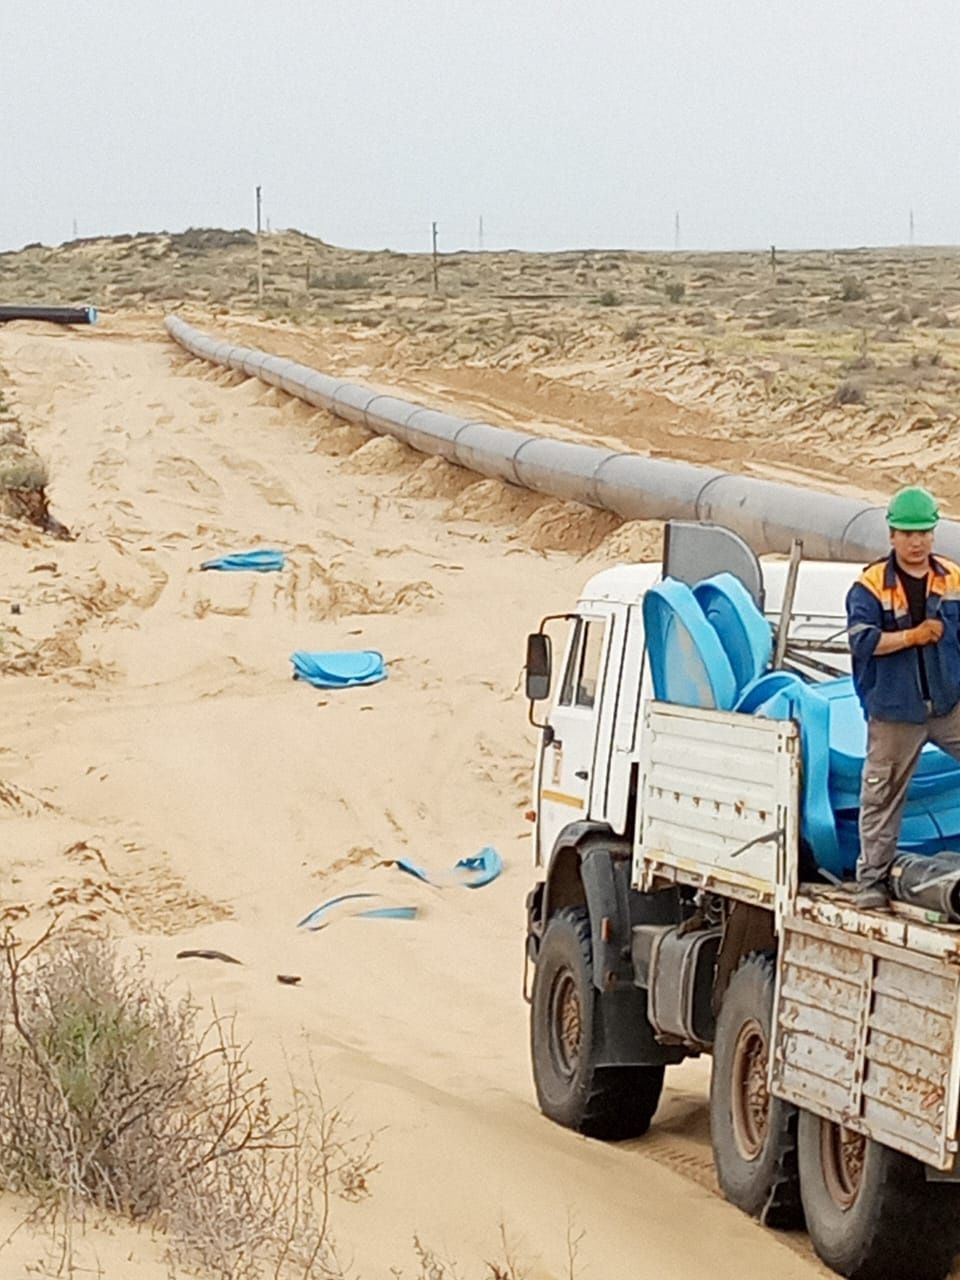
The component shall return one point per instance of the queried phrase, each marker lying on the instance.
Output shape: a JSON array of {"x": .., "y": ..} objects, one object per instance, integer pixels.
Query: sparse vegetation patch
[{"x": 114, "y": 1094}]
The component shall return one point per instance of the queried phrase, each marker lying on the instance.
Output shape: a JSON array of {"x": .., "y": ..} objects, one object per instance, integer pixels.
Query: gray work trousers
[{"x": 893, "y": 749}]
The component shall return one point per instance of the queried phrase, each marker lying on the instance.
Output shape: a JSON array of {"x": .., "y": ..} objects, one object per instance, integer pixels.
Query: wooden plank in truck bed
[{"x": 865, "y": 1025}]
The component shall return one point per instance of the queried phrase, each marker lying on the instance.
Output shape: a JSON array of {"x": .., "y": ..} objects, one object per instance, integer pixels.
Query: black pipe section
[
  {"x": 54, "y": 315},
  {"x": 932, "y": 883}
]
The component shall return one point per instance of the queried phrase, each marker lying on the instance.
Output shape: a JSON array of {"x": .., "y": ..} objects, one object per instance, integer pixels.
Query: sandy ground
[{"x": 160, "y": 771}]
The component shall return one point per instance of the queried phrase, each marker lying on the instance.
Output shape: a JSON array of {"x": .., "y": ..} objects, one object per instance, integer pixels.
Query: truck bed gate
[{"x": 864, "y": 1036}]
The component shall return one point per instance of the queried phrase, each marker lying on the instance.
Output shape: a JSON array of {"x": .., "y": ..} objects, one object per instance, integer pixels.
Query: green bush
[{"x": 675, "y": 290}]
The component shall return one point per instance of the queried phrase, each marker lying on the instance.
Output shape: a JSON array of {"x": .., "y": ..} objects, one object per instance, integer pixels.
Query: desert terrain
[{"x": 162, "y": 777}]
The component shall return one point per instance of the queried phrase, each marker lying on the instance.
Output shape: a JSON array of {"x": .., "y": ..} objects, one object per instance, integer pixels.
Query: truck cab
[{"x": 674, "y": 914}]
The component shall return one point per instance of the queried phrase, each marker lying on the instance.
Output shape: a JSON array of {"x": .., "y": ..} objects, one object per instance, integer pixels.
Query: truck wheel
[
  {"x": 871, "y": 1213},
  {"x": 754, "y": 1135},
  {"x": 601, "y": 1102}
]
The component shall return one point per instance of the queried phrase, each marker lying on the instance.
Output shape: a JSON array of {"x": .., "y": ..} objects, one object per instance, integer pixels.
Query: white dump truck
[{"x": 674, "y": 915}]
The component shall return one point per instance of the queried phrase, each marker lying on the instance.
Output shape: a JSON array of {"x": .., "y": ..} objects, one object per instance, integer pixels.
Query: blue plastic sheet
[
  {"x": 320, "y": 916},
  {"x": 339, "y": 669},
  {"x": 706, "y": 640},
  {"x": 470, "y": 873},
  {"x": 687, "y": 661},
  {"x": 315, "y": 918},
  {"x": 743, "y": 631},
  {"x": 255, "y": 561}
]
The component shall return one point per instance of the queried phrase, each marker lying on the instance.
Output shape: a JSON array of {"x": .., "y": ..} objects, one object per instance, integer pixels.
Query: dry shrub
[
  {"x": 21, "y": 468},
  {"x": 848, "y": 393},
  {"x": 112, "y": 1095}
]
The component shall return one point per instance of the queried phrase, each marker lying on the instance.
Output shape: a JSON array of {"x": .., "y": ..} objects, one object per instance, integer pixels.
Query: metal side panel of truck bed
[
  {"x": 718, "y": 804},
  {"x": 865, "y": 1024},
  {"x": 867, "y": 1004}
]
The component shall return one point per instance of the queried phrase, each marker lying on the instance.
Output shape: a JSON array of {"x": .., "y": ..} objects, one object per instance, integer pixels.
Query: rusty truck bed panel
[{"x": 864, "y": 1027}]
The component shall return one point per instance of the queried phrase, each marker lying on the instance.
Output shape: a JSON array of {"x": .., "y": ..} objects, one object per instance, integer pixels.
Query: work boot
[{"x": 871, "y": 897}]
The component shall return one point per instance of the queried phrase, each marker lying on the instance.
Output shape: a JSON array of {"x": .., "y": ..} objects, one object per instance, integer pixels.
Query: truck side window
[
  {"x": 573, "y": 661},
  {"x": 591, "y": 646}
]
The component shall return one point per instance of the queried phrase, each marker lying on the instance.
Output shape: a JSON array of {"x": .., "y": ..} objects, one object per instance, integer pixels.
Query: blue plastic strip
[
  {"x": 783, "y": 696},
  {"x": 470, "y": 873},
  {"x": 312, "y": 920},
  {"x": 389, "y": 913},
  {"x": 255, "y": 561}
]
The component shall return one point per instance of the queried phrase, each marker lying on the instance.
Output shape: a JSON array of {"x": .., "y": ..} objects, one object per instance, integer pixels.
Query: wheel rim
[
  {"x": 566, "y": 1023},
  {"x": 750, "y": 1100},
  {"x": 841, "y": 1156}
]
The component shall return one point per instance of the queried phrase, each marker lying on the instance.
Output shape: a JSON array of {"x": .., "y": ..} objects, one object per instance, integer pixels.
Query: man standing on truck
[{"x": 903, "y": 623}]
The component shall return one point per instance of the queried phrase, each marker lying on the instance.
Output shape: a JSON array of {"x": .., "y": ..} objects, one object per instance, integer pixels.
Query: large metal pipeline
[{"x": 767, "y": 514}]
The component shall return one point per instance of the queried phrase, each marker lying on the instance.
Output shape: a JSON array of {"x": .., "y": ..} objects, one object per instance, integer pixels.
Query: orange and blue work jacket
[{"x": 889, "y": 686}]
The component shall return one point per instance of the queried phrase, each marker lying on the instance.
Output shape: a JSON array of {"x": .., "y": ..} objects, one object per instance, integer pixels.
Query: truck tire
[
  {"x": 871, "y": 1213},
  {"x": 754, "y": 1135},
  {"x": 601, "y": 1102}
]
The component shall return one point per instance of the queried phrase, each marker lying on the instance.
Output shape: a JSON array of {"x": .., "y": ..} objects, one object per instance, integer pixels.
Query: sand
[{"x": 163, "y": 775}]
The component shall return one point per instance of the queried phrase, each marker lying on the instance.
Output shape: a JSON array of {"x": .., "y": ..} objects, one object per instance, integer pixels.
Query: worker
[{"x": 903, "y": 624}]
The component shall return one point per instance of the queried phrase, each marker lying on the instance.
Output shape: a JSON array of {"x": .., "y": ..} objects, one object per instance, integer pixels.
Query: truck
[{"x": 675, "y": 914}]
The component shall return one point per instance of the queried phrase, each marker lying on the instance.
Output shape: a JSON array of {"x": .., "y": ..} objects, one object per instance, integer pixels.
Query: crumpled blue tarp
[
  {"x": 338, "y": 669},
  {"x": 471, "y": 873},
  {"x": 257, "y": 561}
]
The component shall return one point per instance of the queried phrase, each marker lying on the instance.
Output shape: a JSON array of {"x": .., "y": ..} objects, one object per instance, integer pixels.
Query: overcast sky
[{"x": 563, "y": 124}]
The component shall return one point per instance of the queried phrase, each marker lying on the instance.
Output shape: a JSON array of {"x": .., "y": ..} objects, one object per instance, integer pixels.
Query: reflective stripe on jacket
[{"x": 889, "y": 686}]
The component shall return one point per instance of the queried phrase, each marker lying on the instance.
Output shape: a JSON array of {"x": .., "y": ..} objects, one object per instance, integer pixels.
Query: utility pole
[
  {"x": 436, "y": 276},
  {"x": 676, "y": 230},
  {"x": 773, "y": 260},
  {"x": 480, "y": 233},
  {"x": 74, "y": 228},
  {"x": 911, "y": 226},
  {"x": 259, "y": 253}
]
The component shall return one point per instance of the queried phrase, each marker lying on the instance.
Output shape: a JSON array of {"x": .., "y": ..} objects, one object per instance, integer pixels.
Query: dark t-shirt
[{"x": 916, "y": 589}]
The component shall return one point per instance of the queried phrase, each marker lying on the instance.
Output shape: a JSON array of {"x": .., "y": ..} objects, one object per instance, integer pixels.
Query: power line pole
[
  {"x": 911, "y": 226},
  {"x": 480, "y": 233},
  {"x": 436, "y": 275},
  {"x": 259, "y": 253},
  {"x": 676, "y": 230}
]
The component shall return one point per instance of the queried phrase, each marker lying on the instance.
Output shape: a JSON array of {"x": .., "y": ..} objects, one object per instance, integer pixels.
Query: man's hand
[{"x": 929, "y": 631}]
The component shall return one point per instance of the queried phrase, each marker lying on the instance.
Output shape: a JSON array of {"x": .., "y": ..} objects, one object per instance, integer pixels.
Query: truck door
[{"x": 567, "y": 760}]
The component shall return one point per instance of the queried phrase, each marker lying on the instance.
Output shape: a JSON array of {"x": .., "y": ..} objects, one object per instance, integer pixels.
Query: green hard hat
[{"x": 913, "y": 509}]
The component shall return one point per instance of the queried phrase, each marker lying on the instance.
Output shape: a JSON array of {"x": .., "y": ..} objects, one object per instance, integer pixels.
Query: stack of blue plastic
[{"x": 710, "y": 646}]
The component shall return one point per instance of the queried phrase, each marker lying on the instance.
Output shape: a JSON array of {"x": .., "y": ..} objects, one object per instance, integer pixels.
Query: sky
[{"x": 560, "y": 123}]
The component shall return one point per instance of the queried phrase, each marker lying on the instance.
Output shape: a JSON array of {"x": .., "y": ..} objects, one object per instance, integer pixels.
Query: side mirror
[{"x": 538, "y": 666}]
